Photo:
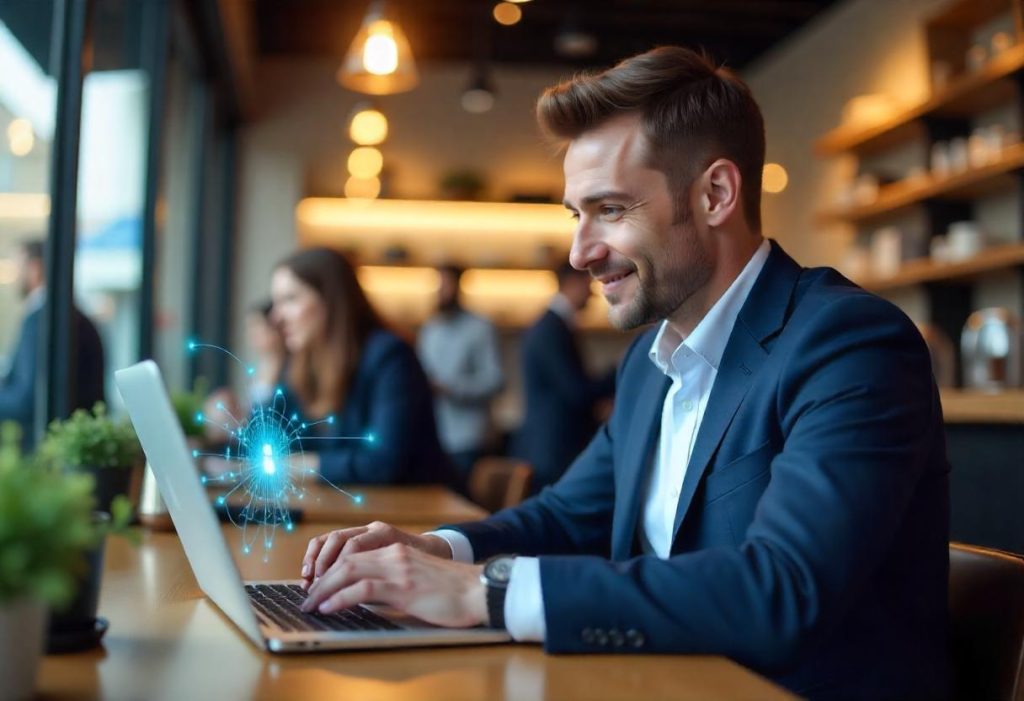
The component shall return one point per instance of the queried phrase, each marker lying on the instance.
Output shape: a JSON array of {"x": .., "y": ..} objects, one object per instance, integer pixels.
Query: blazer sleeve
[
  {"x": 399, "y": 413},
  {"x": 17, "y": 392},
  {"x": 859, "y": 419},
  {"x": 572, "y": 516}
]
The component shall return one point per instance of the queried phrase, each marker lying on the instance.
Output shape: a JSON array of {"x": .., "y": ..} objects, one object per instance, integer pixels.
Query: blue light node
[
  {"x": 357, "y": 498},
  {"x": 330, "y": 419},
  {"x": 371, "y": 438},
  {"x": 199, "y": 417},
  {"x": 221, "y": 500},
  {"x": 251, "y": 371},
  {"x": 195, "y": 453}
]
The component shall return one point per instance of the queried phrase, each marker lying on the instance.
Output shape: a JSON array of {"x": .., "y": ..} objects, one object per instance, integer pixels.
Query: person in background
[
  {"x": 459, "y": 352},
  {"x": 772, "y": 485},
  {"x": 346, "y": 366},
  {"x": 18, "y": 387},
  {"x": 267, "y": 357},
  {"x": 560, "y": 396}
]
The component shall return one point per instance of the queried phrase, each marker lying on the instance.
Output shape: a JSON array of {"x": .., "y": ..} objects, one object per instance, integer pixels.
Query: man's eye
[
  {"x": 610, "y": 210},
  {"x": 575, "y": 216}
]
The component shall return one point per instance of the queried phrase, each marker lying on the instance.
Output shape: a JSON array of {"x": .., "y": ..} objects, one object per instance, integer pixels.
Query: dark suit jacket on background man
[
  {"x": 560, "y": 397},
  {"x": 812, "y": 527},
  {"x": 18, "y": 388}
]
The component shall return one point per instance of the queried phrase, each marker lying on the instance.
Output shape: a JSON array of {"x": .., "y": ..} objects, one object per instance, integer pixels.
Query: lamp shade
[{"x": 379, "y": 61}]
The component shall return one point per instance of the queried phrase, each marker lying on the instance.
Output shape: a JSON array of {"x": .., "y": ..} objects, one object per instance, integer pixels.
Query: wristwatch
[{"x": 495, "y": 576}]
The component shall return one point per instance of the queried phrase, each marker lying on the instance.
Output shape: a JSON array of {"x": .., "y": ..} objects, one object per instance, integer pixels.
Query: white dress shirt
[{"x": 692, "y": 365}]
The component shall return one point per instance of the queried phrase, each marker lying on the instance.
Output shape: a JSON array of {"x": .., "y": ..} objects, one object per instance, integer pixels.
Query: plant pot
[
  {"x": 21, "y": 645},
  {"x": 75, "y": 627},
  {"x": 112, "y": 481}
]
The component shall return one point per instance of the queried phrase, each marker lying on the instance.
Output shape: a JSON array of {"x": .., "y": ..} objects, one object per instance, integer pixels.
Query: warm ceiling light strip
[
  {"x": 476, "y": 218},
  {"x": 24, "y": 205}
]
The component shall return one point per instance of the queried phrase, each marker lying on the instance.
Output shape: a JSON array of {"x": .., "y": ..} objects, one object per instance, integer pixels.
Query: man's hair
[
  {"x": 692, "y": 112},
  {"x": 565, "y": 271},
  {"x": 34, "y": 249}
]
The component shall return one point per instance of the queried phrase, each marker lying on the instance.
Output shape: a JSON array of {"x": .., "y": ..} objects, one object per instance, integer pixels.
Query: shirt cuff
[
  {"x": 524, "y": 602},
  {"x": 462, "y": 550}
]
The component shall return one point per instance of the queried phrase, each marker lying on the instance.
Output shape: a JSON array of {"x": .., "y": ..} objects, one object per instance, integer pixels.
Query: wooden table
[
  {"x": 396, "y": 505},
  {"x": 167, "y": 642}
]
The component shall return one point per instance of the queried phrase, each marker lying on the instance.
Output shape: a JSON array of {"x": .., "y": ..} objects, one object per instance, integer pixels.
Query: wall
[{"x": 858, "y": 47}]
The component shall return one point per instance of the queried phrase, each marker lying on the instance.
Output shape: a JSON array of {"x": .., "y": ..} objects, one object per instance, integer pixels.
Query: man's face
[
  {"x": 447, "y": 291},
  {"x": 30, "y": 273},
  {"x": 631, "y": 236}
]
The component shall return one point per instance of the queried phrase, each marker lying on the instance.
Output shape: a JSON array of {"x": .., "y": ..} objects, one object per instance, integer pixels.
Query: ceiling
[{"x": 733, "y": 31}]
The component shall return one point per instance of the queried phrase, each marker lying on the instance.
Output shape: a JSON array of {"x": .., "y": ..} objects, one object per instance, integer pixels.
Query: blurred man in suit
[
  {"x": 459, "y": 352},
  {"x": 18, "y": 388},
  {"x": 560, "y": 395},
  {"x": 772, "y": 485}
]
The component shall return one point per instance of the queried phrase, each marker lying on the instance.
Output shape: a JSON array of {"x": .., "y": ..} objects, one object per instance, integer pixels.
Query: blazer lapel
[
  {"x": 762, "y": 317},
  {"x": 643, "y": 433}
]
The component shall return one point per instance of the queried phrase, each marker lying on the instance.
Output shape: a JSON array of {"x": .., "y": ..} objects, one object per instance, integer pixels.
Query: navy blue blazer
[
  {"x": 18, "y": 388},
  {"x": 812, "y": 528},
  {"x": 559, "y": 418},
  {"x": 389, "y": 398}
]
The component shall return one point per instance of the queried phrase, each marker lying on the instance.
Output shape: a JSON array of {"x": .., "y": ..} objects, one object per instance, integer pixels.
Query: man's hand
[
  {"x": 438, "y": 591},
  {"x": 324, "y": 550}
]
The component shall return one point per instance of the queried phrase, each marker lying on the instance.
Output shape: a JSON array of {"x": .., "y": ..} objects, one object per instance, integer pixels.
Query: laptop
[{"x": 267, "y": 612}]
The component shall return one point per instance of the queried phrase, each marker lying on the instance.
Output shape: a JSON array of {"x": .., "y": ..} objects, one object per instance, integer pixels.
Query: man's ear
[{"x": 720, "y": 191}]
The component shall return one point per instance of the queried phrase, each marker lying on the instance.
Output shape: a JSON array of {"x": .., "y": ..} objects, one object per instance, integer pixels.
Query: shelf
[
  {"x": 976, "y": 407},
  {"x": 924, "y": 270},
  {"x": 989, "y": 179},
  {"x": 965, "y": 96}
]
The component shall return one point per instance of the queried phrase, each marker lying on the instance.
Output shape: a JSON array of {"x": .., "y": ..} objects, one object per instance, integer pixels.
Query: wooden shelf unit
[
  {"x": 925, "y": 270},
  {"x": 990, "y": 179},
  {"x": 977, "y": 407},
  {"x": 964, "y": 96}
]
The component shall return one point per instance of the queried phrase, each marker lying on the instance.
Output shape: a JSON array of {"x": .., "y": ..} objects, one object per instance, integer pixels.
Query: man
[
  {"x": 772, "y": 485},
  {"x": 560, "y": 396},
  {"x": 18, "y": 388},
  {"x": 459, "y": 352}
]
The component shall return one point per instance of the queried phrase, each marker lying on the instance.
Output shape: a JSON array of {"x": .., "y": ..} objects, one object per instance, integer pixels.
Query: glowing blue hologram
[{"x": 266, "y": 448}]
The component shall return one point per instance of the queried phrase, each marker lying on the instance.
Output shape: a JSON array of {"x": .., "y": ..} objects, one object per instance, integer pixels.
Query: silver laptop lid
[{"x": 167, "y": 452}]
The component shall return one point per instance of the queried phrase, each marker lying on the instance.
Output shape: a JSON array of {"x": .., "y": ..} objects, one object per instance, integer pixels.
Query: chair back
[
  {"x": 497, "y": 483},
  {"x": 986, "y": 603}
]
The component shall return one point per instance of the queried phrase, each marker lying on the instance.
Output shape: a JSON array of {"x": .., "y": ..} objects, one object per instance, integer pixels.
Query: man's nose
[{"x": 587, "y": 246}]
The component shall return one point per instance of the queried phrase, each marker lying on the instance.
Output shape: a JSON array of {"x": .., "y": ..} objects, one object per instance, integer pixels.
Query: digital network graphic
[{"x": 267, "y": 471}]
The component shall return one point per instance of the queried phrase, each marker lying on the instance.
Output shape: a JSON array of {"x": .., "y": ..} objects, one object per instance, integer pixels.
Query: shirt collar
[{"x": 709, "y": 338}]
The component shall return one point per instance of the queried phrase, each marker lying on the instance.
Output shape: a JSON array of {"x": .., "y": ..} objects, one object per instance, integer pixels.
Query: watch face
[{"x": 499, "y": 570}]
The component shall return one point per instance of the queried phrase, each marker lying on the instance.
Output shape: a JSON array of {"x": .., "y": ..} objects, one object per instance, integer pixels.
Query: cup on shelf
[
  {"x": 1000, "y": 42},
  {"x": 886, "y": 251},
  {"x": 865, "y": 188},
  {"x": 964, "y": 240},
  {"x": 979, "y": 152},
  {"x": 976, "y": 57},
  {"x": 939, "y": 161},
  {"x": 939, "y": 249},
  {"x": 991, "y": 350},
  {"x": 959, "y": 161}
]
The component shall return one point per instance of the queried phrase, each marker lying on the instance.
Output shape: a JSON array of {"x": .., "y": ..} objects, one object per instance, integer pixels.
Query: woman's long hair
[{"x": 321, "y": 374}]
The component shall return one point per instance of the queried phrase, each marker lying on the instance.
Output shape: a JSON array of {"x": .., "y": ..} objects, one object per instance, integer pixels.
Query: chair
[
  {"x": 986, "y": 603},
  {"x": 497, "y": 483}
]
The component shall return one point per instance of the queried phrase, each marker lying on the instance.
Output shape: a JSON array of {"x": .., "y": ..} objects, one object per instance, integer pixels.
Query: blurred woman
[
  {"x": 344, "y": 364},
  {"x": 268, "y": 351}
]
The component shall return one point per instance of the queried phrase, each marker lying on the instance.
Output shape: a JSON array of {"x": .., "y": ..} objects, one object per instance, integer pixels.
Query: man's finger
[
  {"x": 332, "y": 548},
  {"x": 364, "y": 591},
  {"x": 371, "y": 540},
  {"x": 312, "y": 550}
]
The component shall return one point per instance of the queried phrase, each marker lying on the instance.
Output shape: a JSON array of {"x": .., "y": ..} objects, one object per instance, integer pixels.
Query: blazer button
[
  {"x": 602, "y": 637},
  {"x": 587, "y": 634},
  {"x": 635, "y": 637},
  {"x": 615, "y": 635}
]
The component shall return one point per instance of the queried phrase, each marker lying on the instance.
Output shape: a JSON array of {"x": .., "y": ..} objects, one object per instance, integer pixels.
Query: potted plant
[
  {"x": 97, "y": 444},
  {"x": 45, "y": 528}
]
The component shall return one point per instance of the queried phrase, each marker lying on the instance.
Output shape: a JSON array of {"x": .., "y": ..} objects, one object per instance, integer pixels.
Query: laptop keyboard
[{"x": 280, "y": 603}]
